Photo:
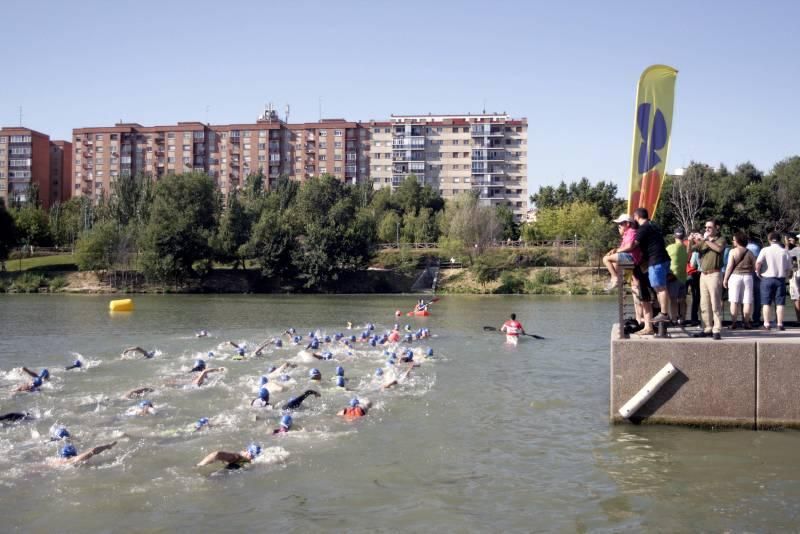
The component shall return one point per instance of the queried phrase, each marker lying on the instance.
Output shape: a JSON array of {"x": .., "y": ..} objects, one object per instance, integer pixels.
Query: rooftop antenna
[
  {"x": 287, "y": 114},
  {"x": 207, "y": 108},
  {"x": 20, "y": 116},
  {"x": 484, "y": 106}
]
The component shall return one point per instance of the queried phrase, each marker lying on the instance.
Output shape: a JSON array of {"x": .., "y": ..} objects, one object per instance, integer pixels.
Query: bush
[
  {"x": 546, "y": 276},
  {"x": 28, "y": 283},
  {"x": 511, "y": 283},
  {"x": 57, "y": 283}
]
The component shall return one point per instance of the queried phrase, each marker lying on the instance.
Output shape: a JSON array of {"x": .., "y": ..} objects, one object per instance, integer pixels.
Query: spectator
[
  {"x": 693, "y": 284},
  {"x": 738, "y": 281},
  {"x": 614, "y": 258},
  {"x": 773, "y": 265},
  {"x": 754, "y": 246},
  {"x": 676, "y": 279},
  {"x": 794, "y": 281},
  {"x": 651, "y": 243},
  {"x": 711, "y": 247}
]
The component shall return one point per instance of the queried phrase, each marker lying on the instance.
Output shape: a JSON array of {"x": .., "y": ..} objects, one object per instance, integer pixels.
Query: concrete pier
[{"x": 749, "y": 379}]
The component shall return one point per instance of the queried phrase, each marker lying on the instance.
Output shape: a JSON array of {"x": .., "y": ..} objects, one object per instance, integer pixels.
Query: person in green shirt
[{"x": 676, "y": 281}]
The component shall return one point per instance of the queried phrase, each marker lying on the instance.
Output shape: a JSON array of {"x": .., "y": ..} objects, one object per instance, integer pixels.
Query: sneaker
[
  {"x": 734, "y": 325},
  {"x": 748, "y": 326},
  {"x": 781, "y": 327},
  {"x": 661, "y": 318},
  {"x": 765, "y": 328},
  {"x": 716, "y": 336},
  {"x": 701, "y": 334},
  {"x": 611, "y": 285}
]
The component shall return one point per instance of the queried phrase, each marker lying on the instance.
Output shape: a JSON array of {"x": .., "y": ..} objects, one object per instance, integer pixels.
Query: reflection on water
[{"x": 484, "y": 438}]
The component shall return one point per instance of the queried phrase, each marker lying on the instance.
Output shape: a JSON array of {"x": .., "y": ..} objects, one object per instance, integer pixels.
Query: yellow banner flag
[{"x": 655, "y": 97}]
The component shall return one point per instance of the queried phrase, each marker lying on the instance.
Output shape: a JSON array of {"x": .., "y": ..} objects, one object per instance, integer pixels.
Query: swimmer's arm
[
  {"x": 202, "y": 376},
  {"x": 140, "y": 350},
  {"x": 29, "y": 372},
  {"x": 88, "y": 454},
  {"x": 233, "y": 344},
  {"x": 340, "y": 412},
  {"x": 261, "y": 347},
  {"x": 222, "y": 456},
  {"x": 137, "y": 392}
]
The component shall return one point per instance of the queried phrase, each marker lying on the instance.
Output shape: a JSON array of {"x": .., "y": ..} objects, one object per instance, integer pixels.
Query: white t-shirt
[{"x": 773, "y": 262}]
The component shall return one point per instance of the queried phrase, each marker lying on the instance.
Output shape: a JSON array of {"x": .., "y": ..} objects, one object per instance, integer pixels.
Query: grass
[{"x": 59, "y": 262}]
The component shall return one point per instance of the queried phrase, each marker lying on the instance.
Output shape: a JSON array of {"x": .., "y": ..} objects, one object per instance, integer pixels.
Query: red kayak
[{"x": 419, "y": 313}]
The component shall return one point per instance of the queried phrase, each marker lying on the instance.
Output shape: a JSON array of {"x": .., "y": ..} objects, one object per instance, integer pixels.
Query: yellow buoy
[{"x": 121, "y": 305}]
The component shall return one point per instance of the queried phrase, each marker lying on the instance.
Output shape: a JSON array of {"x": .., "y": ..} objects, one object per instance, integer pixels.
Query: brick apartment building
[
  {"x": 28, "y": 158},
  {"x": 452, "y": 153}
]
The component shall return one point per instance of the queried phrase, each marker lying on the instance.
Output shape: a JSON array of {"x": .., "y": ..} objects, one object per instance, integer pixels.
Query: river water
[{"x": 482, "y": 437}]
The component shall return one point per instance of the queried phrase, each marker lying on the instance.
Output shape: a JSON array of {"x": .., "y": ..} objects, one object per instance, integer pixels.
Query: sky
[{"x": 570, "y": 68}]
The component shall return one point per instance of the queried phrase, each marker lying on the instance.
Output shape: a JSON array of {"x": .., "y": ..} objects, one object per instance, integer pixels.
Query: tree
[
  {"x": 271, "y": 244},
  {"x": 510, "y": 228},
  {"x": 467, "y": 221},
  {"x": 66, "y": 220},
  {"x": 130, "y": 199},
  {"x": 97, "y": 249},
  {"x": 8, "y": 233},
  {"x": 689, "y": 193},
  {"x": 569, "y": 221},
  {"x": 603, "y": 195},
  {"x": 389, "y": 227},
  {"x": 785, "y": 182},
  {"x": 233, "y": 232},
  {"x": 33, "y": 225},
  {"x": 181, "y": 223}
]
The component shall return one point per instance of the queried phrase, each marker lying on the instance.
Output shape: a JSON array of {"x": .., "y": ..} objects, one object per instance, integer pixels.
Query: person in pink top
[{"x": 613, "y": 259}]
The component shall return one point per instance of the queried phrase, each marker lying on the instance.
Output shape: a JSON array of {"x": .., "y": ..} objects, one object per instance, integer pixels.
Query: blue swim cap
[
  {"x": 291, "y": 330},
  {"x": 45, "y": 374},
  {"x": 314, "y": 343},
  {"x": 370, "y": 326},
  {"x": 240, "y": 351},
  {"x": 271, "y": 369},
  {"x": 145, "y": 404},
  {"x": 373, "y": 342},
  {"x": 340, "y": 381},
  {"x": 151, "y": 353},
  {"x": 210, "y": 354},
  {"x": 67, "y": 451},
  {"x": 378, "y": 372},
  {"x": 286, "y": 421},
  {"x": 254, "y": 450},
  {"x": 263, "y": 380},
  {"x": 199, "y": 365},
  {"x": 429, "y": 352},
  {"x": 203, "y": 421},
  {"x": 285, "y": 378},
  {"x": 354, "y": 402},
  {"x": 352, "y": 339},
  {"x": 263, "y": 394},
  {"x": 337, "y": 336},
  {"x": 327, "y": 339},
  {"x": 327, "y": 355},
  {"x": 314, "y": 373},
  {"x": 407, "y": 327},
  {"x": 296, "y": 339},
  {"x": 77, "y": 363},
  {"x": 59, "y": 433},
  {"x": 37, "y": 382},
  {"x": 311, "y": 334},
  {"x": 339, "y": 370},
  {"x": 278, "y": 343}
]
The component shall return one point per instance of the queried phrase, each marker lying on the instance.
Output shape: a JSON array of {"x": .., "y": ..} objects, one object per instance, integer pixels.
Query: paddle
[{"x": 493, "y": 329}]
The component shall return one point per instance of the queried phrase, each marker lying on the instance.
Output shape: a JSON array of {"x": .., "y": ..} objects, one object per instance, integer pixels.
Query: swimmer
[
  {"x": 278, "y": 343},
  {"x": 15, "y": 416},
  {"x": 202, "y": 423},
  {"x": 198, "y": 381},
  {"x": 349, "y": 325},
  {"x": 57, "y": 433},
  {"x": 262, "y": 401},
  {"x": 286, "y": 425},
  {"x": 136, "y": 393},
  {"x": 201, "y": 333},
  {"x": 199, "y": 365},
  {"x": 276, "y": 372},
  {"x": 355, "y": 410},
  {"x": 146, "y": 408},
  {"x": 68, "y": 454},
  {"x": 44, "y": 374},
  {"x": 391, "y": 382},
  {"x": 234, "y": 460},
  {"x": 340, "y": 381},
  {"x": 240, "y": 349},
  {"x": 326, "y": 355},
  {"x": 29, "y": 387},
  {"x": 314, "y": 374},
  {"x": 77, "y": 364},
  {"x": 140, "y": 350},
  {"x": 394, "y": 336},
  {"x": 295, "y": 402}
]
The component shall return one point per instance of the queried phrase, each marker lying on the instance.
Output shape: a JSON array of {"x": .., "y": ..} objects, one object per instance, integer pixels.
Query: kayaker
[{"x": 513, "y": 329}]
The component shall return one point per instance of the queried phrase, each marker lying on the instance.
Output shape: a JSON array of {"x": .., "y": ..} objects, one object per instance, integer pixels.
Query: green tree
[
  {"x": 603, "y": 195},
  {"x": 98, "y": 248},
  {"x": 181, "y": 223},
  {"x": 233, "y": 232},
  {"x": 568, "y": 221},
  {"x": 271, "y": 245},
  {"x": 389, "y": 227},
  {"x": 33, "y": 225},
  {"x": 469, "y": 222},
  {"x": 510, "y": 228},
  {"x": 8, "y": 233},
  {"x": 66, "y": 221}
]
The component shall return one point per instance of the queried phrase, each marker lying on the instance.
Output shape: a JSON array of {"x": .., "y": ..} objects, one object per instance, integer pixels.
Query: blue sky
[{"x": 569, "y": 67}]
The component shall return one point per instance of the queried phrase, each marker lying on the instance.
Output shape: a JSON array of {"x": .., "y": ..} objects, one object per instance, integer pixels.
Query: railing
[{"x": 553, "y": 243}]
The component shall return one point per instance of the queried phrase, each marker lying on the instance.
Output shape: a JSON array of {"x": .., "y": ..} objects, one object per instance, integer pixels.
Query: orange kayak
[{"x": 422, "y": 313}]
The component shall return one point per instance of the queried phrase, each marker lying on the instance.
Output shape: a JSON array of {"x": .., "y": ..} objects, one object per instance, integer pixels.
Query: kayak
[
  {"x": 418, "y": 313},
  {"x": 512, "y": 340}
]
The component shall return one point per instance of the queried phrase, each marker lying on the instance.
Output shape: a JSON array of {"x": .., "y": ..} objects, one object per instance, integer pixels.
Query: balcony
[
  {"x": 234, "y": 140},
  {"x": 409, "y": 143},
  {"x": 481, "y": 132}
]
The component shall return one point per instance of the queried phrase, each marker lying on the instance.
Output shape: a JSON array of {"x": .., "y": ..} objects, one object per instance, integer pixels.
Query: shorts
[
  {"x": 624, "y": 258},
  {"x": 677, "y": 289},
  {"x": 773, "y": 291},
  {"x": 657, "y": 274},
  {"x": 740, "y": 288},
  {"x": 643, "y": 292}
]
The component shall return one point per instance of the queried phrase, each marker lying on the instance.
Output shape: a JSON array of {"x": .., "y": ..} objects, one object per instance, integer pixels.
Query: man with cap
[
  {"x": 614, "y": 257},
  {"x": 233, "y": 460},
  {"x": 676, "y": 279},
  {"x": 711, "y": 248}
]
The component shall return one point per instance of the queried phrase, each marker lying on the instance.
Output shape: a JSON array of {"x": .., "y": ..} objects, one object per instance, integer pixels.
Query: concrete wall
[{"x": 749, "y": 380}]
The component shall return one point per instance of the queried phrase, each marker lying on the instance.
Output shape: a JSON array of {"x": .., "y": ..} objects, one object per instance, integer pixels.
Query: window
[
  {"x": 455, "y": 154},
  {"x": 171, "y": 135},
  {"x": 113, "y": 137},
  {"x": 455, "y": 130},
  {"x": 262, "y": 157},
  {"x": 323, "y": 133},
  {"x": 376, "y": 130},
  {"x": 246, "y": 146},
  {"x": 337, "y": 144},
  {"x": 262, "y": 133},
  {"x": 262, "y": 146},
  {"x": 465, "y": 129},
  {"x": 337, "y": 157},
  {"x": 337, "y": 133},
  {"x": 187, "y": 148},
  {"x": 20, "y": 139},
  {"x": 323, "y": 157},
  {"x": 4, "y": 139},
  {"x": 246, "y": 133},
  {"x": 98, "y": 137},
  {"x": 337, "y": 169}
]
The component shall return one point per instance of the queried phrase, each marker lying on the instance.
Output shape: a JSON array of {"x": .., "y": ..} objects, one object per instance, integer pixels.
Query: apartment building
[
  {"x": 454, "y": 153},
  {"x": 28, "y": 158}
]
